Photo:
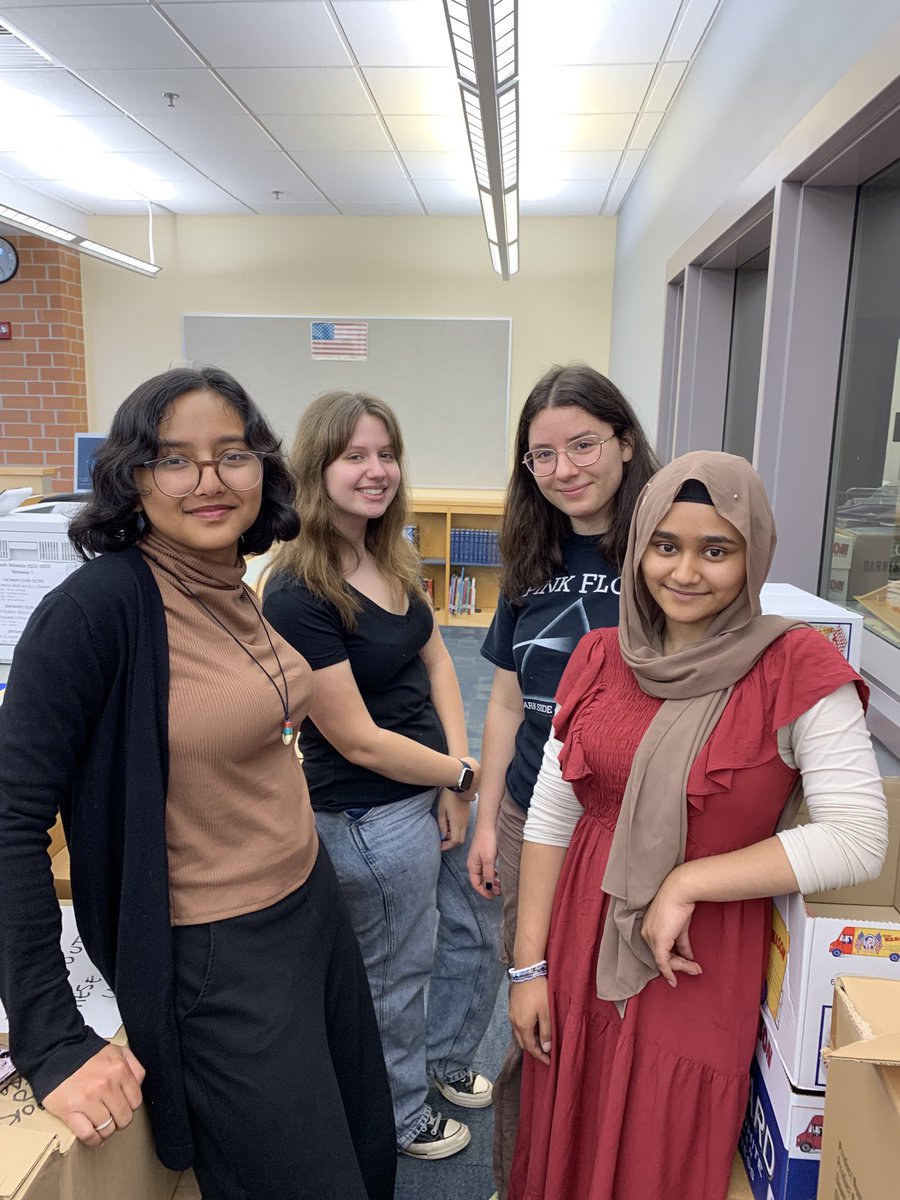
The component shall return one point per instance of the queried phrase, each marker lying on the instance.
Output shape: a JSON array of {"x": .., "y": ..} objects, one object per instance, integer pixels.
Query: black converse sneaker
[
  {"x": 471, "y": 1091},
  {"x": 440, "y": 1138}
]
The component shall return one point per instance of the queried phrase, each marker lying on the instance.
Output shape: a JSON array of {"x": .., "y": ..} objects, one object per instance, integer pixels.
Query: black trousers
[{"x": 283, "y": 1067}]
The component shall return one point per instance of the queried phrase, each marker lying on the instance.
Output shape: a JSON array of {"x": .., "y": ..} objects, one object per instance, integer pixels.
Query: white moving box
[
  {"x": 781, "y": 1141},
  {"x": 842, "y": 628},
  {"x": 851, "y": 931},
  {"x": 35, "y": 555}
]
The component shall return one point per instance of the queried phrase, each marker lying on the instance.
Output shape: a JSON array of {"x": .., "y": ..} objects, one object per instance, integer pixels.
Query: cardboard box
[
  {"x": 852, "y": 931},
  {"x": 842, "y": 628},
  {"x": 781, "y": 1140},
  {"x": 59, "y": 865},
  {"x": 862, "y": 1134},
  {"x": 871, "y": 554},
  {"x": 40, "y": 1159},
  {"x": 838, "y": 590}
]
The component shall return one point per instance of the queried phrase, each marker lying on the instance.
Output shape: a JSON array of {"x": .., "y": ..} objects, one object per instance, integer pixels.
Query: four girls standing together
[{"x": 270, "y": 810}]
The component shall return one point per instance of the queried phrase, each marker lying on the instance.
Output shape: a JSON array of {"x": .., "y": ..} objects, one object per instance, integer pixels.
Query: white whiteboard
[{"x": 447, "y": 380}]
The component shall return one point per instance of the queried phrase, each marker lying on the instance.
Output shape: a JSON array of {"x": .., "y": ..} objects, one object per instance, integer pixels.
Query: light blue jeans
[{"x": 423, "y": 932}]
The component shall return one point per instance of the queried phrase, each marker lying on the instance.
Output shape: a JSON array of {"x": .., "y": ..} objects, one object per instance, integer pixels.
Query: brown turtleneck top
[{"x": 239, "y": 827}]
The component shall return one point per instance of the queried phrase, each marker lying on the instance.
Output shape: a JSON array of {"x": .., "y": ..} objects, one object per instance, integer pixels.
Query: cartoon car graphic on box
[
  {"x": 811, "y": 1137},
  {"x": 870, "y": 943}
]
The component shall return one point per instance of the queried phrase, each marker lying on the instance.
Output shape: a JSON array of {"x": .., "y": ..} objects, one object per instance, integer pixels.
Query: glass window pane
[
  {"x": 750, "y": 281},
  {"x": 861, "y": 564}
]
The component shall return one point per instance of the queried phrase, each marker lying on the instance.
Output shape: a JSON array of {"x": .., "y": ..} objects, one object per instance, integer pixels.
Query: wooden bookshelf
[{"x": 435, "y": 511}]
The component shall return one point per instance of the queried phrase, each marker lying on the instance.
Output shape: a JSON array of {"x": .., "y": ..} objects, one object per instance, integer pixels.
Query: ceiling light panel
[
  {"x": 32, "y": 223},
  {"x": 395, "y": 33},
  {"x": 116, "y": 256},
  {"x": 483, "y": 36},
  {"x": 261, "y": 34}
]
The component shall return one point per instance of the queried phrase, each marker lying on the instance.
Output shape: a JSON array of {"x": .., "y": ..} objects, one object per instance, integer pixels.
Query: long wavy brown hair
[
  {"x": 318, "y": 554},
  {"x": 534, "y": 532}
]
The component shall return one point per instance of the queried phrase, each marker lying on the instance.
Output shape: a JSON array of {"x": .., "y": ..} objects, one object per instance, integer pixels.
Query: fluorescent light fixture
[
  {"x": 484, "y": 38},
  {"x": 116, "y": 256},
  {"x": 33, "y": 225}
]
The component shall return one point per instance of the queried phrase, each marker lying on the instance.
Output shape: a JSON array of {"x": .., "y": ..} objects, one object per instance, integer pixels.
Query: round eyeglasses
[
  {"x": 177, "y": 475},
  {"x": 581, "y": 452}
]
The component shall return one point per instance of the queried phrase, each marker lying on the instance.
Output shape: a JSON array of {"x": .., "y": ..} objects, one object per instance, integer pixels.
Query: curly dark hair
[
  {"x": 534, "y": 533},
  {"x": 109, "y": 522}
]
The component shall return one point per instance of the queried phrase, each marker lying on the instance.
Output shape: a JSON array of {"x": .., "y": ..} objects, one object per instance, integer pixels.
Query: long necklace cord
[{"x": 287, "y": 729}]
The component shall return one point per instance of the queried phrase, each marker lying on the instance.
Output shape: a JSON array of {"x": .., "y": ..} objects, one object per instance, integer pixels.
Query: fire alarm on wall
[{"x": 5, "y": 331}]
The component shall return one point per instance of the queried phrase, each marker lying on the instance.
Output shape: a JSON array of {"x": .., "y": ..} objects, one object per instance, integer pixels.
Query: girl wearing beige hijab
[{"x": 651, "y": 850}]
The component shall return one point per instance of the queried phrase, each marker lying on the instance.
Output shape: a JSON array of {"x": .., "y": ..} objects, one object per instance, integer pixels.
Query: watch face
[{"x": 9, "y": 260}]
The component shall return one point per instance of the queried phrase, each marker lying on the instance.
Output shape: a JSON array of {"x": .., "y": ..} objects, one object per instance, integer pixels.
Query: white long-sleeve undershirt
[{"x": 847, "y": 835}]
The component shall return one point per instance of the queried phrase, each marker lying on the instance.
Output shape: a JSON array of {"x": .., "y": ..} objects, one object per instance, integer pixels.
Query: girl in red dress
[{"x": 650, "y": 849}]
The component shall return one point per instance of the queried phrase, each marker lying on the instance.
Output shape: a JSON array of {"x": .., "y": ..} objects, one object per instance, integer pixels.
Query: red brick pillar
[{"x": 43, "y": 397}]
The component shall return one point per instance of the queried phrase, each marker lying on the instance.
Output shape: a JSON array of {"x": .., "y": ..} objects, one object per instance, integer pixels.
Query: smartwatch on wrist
[{"x": 466, "y": 779}]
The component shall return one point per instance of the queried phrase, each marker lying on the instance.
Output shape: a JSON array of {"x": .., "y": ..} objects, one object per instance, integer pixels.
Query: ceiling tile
[
  {"x": 454, "y": 208},
  {"x": 414, "y": 90},
  {"x": 369, "y": 191},
  {"x": 396, "y": 33},
  {"x": 592, "y": 133},
  {"x": 198, "y": 138},
  {"x": 618, "y": 88},
  {"x": 644, "y": 131},
  {"x": 448, "y": 192},
  {"x": 668, "y": 79},
  {"x": 309, "y": 134},
  {"x": 57, "y": 88},
  {"x": 569, "y": 165},
  {"x": 439, "y": 166},
  {"x": 85, "y": 36},
  {"x": 575, "y": 198},
  {"x": 334, "y": 170},
  {"x": 693, "y": 24},
  {"x": 260, "y": 33},
  {"x": 257, "y": 176},
  {"x": 287, "y": 208},
  {"x": 631, "y": 162},
  {"x": 429, "y": 134},
  {"x": 412, "y": 209},
  {"x": 572, "y": 32},
  {"x": 116, "y": 132},
  {"x": 301, "y": 90},
  {"x": 140, "y": 93}
]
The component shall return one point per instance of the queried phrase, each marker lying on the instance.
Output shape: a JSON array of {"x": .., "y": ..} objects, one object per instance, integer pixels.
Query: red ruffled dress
[{"x": 649, "y": 1106}]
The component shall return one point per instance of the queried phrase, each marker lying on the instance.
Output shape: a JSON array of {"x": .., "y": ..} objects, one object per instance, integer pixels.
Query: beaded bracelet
[{"x": 525, "y": 974}]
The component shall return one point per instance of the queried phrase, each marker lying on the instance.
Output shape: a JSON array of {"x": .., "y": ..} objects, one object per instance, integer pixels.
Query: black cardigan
[{"x": 84, "y": 730}]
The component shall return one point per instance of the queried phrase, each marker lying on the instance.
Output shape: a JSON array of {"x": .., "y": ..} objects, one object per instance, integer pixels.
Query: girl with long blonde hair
[{"x": 386, "y": 757}]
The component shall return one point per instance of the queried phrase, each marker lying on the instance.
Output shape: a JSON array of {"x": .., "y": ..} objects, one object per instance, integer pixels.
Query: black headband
[{"x": 692, "y": 491}]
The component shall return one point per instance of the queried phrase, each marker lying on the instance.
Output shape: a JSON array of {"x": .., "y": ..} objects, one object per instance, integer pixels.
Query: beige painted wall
[{"x": 344, "y": 266}]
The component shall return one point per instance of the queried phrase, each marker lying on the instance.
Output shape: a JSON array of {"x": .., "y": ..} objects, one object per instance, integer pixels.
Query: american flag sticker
[{"x": 339, "y": 339}]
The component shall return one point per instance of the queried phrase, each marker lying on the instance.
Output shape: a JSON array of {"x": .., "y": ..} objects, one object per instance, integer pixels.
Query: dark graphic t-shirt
[{"x": 535, "y": 639}]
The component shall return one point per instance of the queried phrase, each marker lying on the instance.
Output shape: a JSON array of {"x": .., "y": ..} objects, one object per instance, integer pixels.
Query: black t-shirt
[
  {"x": 383, "y": 652},
  {"x": 536, "y": 638}
]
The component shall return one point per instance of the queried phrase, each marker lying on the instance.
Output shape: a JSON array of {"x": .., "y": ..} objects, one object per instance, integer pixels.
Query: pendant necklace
[{"x": 287, "y": 728}]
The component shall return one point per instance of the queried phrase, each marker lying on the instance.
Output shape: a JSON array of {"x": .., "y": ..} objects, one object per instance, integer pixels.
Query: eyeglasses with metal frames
[
  {"x": 581, "y": 452},
  {"x": 177, "y": 475}
]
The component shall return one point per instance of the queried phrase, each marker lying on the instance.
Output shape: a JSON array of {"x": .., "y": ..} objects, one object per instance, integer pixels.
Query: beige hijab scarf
[{"x": 695, "y": 682}]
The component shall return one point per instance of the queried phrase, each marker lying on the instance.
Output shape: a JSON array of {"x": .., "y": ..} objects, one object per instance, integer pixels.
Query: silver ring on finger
[{"x": 104, "y": 1125}]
